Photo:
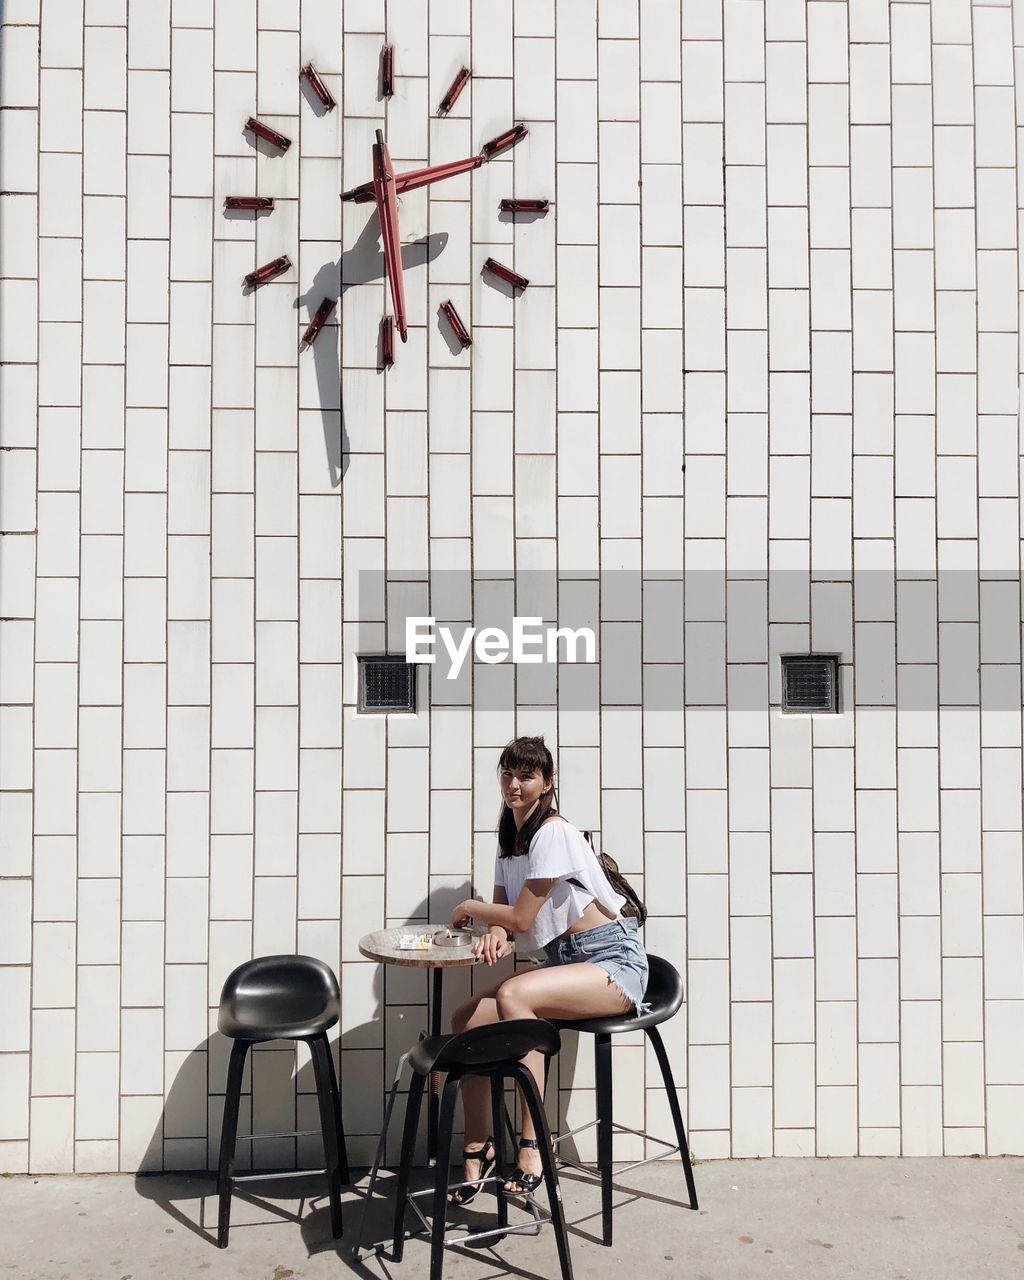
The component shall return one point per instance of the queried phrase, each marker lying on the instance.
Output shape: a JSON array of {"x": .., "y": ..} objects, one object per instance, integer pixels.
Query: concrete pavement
[{"x": 876, "y": 1219}]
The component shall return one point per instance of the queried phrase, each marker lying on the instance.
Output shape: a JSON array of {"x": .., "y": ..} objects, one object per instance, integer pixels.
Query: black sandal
[
  {"x": 487, "y": 1162},
  {"x": 528, "y": 1182}
]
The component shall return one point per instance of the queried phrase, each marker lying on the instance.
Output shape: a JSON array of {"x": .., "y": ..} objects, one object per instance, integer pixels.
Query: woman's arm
[
  {"x": 513, "y": 919},
  {"x": 492, "y": 945}
]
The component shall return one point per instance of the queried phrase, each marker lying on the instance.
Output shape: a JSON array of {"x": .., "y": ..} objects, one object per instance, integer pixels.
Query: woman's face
[{"x": 521, "y": 789}]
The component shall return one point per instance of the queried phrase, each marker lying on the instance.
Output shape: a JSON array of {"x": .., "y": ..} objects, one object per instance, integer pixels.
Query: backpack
[{"x": 633, "y": 907}]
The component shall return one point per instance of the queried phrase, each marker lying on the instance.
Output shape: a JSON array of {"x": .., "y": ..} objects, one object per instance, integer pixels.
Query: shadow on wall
[
  {"x": 362, "y": 264},
  {"x": 279, "y": 1091}
]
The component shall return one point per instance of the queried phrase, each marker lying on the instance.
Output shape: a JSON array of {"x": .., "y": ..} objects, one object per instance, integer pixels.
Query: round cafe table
[{"x": 382, "y": 945}]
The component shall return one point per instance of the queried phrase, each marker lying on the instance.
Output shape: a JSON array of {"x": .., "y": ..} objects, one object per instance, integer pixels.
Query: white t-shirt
[{"x": 557, "y": 852}]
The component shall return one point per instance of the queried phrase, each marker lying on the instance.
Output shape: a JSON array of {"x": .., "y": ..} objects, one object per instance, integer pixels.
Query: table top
[{"x": 382, "y": 946}]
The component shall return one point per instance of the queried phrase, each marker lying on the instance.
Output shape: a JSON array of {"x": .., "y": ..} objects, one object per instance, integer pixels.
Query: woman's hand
[
  {"x": 492, "y": 945},
  {"x": 462, "y": 916}
]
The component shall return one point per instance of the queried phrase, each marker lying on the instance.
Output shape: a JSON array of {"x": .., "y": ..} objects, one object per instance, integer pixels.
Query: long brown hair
[{"x": 528, "y": 754}]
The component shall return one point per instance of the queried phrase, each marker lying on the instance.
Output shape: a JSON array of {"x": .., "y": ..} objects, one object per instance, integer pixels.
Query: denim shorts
[{"x": 613, "y": 947}]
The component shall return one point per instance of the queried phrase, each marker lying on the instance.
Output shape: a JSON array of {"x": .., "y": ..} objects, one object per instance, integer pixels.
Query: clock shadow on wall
[
  {"x": 324, "y": 292},
  {"x": 363, "y": 263}
]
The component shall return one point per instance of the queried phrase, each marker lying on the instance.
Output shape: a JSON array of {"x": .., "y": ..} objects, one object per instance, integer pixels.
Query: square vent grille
[
  {"x": 386, "y": 684},
  {"x": 810, "y": 684}
]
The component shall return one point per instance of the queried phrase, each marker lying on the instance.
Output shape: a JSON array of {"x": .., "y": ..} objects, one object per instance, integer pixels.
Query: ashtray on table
[{"x": 453, "y": 938}]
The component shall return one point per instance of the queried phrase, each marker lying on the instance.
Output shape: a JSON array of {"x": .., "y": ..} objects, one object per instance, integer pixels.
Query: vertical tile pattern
[
  {"x": 151, "y": 556},
  {"x": 20, "y": 224},
  {"x": 766, "y": 364}
]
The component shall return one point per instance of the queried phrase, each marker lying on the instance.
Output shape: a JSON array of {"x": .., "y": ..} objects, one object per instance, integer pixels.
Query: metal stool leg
[
  {"x": 228, "y": 1134},
  {"x": 603, "y": 1073},
  {"x": 677, "y": 1116},
  {"x": 412, "y": 1115},
  {"x": 497, "y": 1120},
  {"x": 445, "y": 1124},
  {"x": 510, "y": 1128},
  {"x": 321, "y": 1055},
  {"x": 434, "y": 1091},
  {"x": 540, "y": 1123},
  {"x": 378, "y": 1158}
]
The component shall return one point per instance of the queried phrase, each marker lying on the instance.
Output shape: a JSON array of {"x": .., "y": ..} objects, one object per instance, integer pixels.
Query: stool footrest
[
  {"x": 275, "y": 1176},
  {"x": 541, "y": 1217},
  {"x": 616, "y": 1128},
  {"x": 292, "y": 1133},
  {"x": 570, "y": 1133}
]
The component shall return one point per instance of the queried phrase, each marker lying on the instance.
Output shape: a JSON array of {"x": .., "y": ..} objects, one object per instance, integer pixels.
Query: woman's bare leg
[
  {"x": 477, "y": 1011},
  {"x": 571, "y": 992}
]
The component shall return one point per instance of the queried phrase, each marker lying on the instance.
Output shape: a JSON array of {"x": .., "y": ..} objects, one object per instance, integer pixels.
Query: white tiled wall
[{"x": 783, "y": 253}]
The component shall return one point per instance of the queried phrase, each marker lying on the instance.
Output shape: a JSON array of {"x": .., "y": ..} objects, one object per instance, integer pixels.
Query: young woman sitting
[{"x": 552, "y": 894}]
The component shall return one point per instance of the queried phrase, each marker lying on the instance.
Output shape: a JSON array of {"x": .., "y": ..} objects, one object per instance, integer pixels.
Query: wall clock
[{"x": 384, "y": 190}]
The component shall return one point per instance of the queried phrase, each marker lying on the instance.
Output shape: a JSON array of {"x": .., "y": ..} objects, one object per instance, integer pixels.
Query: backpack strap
[{"x": 634, "y": 906}]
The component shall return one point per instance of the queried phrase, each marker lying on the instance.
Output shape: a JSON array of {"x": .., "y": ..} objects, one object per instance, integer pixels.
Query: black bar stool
[
  {"x": 494, "y": 1051},
  {"x": 281, "y": 998},
  {"x": 665, "y": 996}
]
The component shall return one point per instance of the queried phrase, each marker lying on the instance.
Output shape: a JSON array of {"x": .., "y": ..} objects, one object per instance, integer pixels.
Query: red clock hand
[
  {"x": 424, "y": 177},
  {"x": 387, "y": 209},
  {"x": 415, "y": 178}
]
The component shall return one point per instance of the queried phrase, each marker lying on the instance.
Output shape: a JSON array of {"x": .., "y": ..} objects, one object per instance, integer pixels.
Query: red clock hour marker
[
  {"x": 268, "y": 271},
  {"x": 318, "y": 86},
  {"x": 524, "y": 206},
  {"x": 387, "y": 71},
  {"x": 505, "y": 140},
  {"x": 265, "y": 132},
  {"x": 455, "y": 320},
  {"x": 386, "y": 342},
  {"x": 249, "y": 202},
  {"x": 321, "y": 317},
  {"x": 453, "y": 91},
  {"x": 506, "y": 273}
]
